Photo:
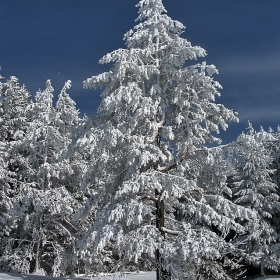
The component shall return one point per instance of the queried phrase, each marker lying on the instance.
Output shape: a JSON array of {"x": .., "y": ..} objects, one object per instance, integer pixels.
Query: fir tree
[
  {"x": 14, "y": 100},
  {"x": 156, "y": 114},
  {"x": 255, "y": 189},
  {"x": 42, "y": 202},
  {"x": 274, "y": 147}
]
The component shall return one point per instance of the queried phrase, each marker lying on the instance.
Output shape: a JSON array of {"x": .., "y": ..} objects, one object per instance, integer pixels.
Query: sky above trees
[{"x": 61, "y": 40}]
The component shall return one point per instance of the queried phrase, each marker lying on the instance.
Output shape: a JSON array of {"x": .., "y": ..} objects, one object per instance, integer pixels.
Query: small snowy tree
[
  {"x": 156, "y": 114},
  {"x": 67, "y": 116},
  {"x": 254, "y": 188}
]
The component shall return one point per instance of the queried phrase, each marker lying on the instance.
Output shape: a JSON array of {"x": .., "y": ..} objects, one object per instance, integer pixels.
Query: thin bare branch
[{"x": 176, "y": 164}]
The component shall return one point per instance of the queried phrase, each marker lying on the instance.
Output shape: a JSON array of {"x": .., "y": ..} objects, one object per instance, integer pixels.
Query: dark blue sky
[{"x": 64, "y": 39}]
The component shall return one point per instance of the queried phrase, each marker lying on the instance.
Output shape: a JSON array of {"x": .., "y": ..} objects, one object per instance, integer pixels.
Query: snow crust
[{"x": 150, "y": 275}]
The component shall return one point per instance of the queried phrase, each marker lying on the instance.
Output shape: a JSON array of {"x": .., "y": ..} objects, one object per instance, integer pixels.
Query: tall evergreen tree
[
  {"x": 14, "y": 100},
  {"x": 42, "y": 237},
  {"x": 274, "y": 147},
  {"x": 156, "y": 114},
  {"x": 5, "y": 181}
]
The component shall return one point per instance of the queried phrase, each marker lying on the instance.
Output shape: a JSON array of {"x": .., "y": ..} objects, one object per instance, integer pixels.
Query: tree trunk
[
  {"x": 162, "y": 274},
  {"x": 38, "y": 256},
  {"x": 39, "y": 251}
]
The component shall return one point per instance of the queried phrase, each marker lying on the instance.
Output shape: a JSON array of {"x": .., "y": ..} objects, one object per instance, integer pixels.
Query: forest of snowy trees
[{"x": 138, "y": 186}]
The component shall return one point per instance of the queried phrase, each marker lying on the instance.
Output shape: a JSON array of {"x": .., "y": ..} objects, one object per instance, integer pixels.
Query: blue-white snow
[
  {"x": 129, "y": 276},
  {"x": 151, "y": 275}
]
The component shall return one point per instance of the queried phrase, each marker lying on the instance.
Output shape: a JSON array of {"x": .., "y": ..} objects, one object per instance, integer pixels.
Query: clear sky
[{"x": 64, "y": 39}]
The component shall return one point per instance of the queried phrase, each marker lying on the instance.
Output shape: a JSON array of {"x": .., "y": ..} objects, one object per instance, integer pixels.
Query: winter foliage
[{"x": 138, "y": 186}]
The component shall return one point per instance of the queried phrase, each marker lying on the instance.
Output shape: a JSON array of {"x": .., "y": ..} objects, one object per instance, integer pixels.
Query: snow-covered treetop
[
  {"x": 255, "y": 186},
  {"x": 66, "y": 109},
  {"x": 151, "y": 87},
  {"x": 150, "y": 8},
  {"x": 14, "y": 99}
]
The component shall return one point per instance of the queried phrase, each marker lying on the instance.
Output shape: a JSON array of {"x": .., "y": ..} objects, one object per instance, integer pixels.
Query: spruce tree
[
  {"x": 42, "y": 202},
  {"x": 254, "y": 188},
  {"x": 157, "y": 113},
  {"x": 14, "y": 100},
  {"x": 274, "y": 147}
]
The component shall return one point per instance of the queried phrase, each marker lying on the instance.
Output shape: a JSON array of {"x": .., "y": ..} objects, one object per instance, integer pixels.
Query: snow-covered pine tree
[
  {"x": 42, "y": 237},
  {"x": 73, "y": 162},
  {"x": 67, "y": 114},
  {"x": 14, "y": 100},
  {"x": 274, "y": 147},
  {"x": 254, "y": 188},
  {"x": 5, "y": 181},
  {"x": 156, "y": 114}
]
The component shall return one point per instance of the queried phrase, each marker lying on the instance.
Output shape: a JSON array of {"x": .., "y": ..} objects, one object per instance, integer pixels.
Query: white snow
[
  {"x": 269, "y": 277},
  {"x": 150, "y": 275}
]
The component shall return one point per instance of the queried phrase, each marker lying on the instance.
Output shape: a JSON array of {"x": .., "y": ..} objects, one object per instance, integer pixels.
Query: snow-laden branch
[{"x": 170, "y": 231}]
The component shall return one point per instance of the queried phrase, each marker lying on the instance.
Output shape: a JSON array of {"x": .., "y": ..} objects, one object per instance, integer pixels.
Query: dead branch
[
  {"x": 149, "y": 198},
  {"x": 177, "y": 163}
]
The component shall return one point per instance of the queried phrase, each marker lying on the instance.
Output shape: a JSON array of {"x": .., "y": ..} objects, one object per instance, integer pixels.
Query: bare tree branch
[{"x": 176, "y": 164}]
